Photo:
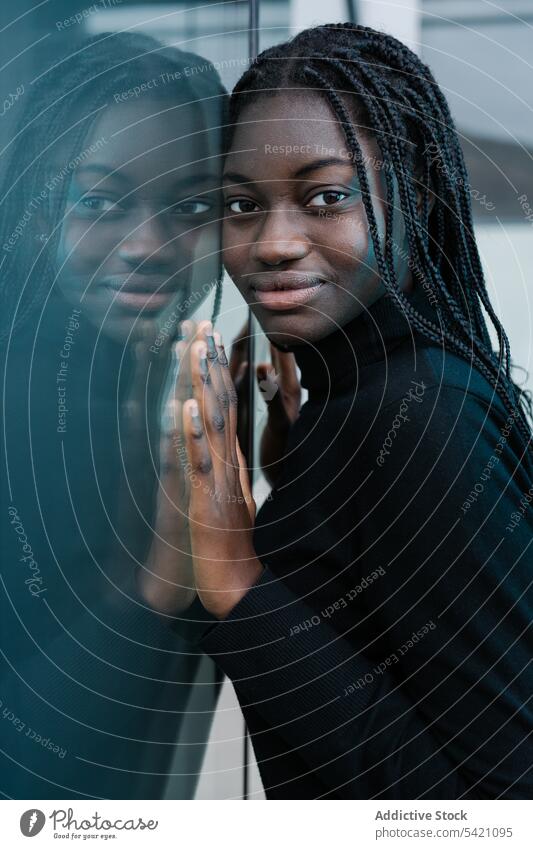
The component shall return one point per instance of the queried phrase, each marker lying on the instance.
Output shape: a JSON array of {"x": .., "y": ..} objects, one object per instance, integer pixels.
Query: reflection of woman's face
[
  {"x": 295, "y": 235},
  {"x": 141, "y": 208}
]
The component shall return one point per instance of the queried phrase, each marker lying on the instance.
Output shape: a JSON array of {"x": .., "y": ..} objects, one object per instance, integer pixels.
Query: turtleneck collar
[{"x": 331, "y": 362}]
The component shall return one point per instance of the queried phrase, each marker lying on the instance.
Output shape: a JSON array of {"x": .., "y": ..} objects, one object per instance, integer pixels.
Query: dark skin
[
  {"x": 142, "y": 209},
  {"x": 276, "y": 226},
  {"x": 301, "y": 212}
]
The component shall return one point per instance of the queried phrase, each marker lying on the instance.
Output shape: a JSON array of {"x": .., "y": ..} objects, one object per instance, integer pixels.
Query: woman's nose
[
  {"x": 280, "y": 239},
  {"x": 149, "y": 240}
]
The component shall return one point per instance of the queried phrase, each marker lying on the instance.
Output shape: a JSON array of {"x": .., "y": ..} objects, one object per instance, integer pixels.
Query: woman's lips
[
  {"x": 285, "y": 291},
  {"x": 286, "y": 299},
  {"x": 146, "y": 296},
  {"x": 147, "y": 301}
]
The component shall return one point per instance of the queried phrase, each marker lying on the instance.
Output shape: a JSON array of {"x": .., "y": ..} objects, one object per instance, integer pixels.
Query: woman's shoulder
[
  {"x": 442, "y": 375},
  {"x": 433, "y": 404}
]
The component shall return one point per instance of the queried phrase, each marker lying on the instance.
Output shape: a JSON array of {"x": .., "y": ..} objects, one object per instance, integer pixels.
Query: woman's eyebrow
[
  {"x": 321, "y": 163},
  {"x": 233, "y": 177},
  {"x": 193, "y": 179},
  {"x": 315, "y": 165},
  {"x": 96, "y": 168},
  {"x": 181, "y": 184}
]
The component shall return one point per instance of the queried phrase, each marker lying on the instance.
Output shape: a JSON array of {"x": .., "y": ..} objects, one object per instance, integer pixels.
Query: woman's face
[
  {"x": 295, "y": 235},
  {"x": 141, "y": 218}
]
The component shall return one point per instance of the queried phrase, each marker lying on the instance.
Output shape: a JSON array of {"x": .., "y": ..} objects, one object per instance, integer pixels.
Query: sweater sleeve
[
  {"x": 192, "y": 623},
  {"x": 440, "y": 705}
]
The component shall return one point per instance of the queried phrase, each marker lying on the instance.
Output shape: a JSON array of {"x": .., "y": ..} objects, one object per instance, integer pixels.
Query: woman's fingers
[
  {"x": 231, "y": 397},
  {"x": 182, "y": 370},
  {"x": 201, "y": 473},
  {"x": 191, "y": 332},
  {"x": 212, "y": 422},
  {"x": 209, "y": 390},
  {"x": 223, "y": 390},
  {"x": 218, "y": 383}
]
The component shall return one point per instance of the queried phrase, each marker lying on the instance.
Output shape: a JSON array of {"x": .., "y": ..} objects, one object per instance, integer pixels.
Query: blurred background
[{"x": 481, "y": 54}]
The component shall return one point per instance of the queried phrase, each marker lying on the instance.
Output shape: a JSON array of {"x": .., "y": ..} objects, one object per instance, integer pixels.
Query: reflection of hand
[
  {"x": 167, "y": 580},
  {"x": 279, "y": 385},
  {"x": 222, "y": 509},
  {"x": 135, "y": 490}
]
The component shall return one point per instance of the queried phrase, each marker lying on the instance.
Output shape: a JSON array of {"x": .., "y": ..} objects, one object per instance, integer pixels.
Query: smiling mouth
[
  {"x": 147, "y": 301},
  {"x": 285, "y": 291},
  {"x": 149, "y": 295}
]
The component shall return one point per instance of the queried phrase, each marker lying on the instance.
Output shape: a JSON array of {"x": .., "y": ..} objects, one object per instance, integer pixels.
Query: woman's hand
[
  {"x": 166, "y": 579},
  {"x": 279, "y": 385},
  {"x": 221, "y": 507}
]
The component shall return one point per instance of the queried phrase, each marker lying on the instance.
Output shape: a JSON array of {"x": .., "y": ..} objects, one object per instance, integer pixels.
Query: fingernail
[
  {"x": 185, "y": 329},
  {"x": 204, "y": 368},
  {"x": 211, "y": 348},
  {"x": 194, "y": 413},
  {"x": 220, "y": 347}
]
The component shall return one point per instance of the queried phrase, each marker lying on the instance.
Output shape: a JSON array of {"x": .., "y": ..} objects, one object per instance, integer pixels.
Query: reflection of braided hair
[
  {"x": 71, "y": 94},
  {"x": 400, "y": 104}
]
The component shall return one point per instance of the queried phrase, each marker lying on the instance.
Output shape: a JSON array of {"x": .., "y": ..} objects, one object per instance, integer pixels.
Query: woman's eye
[
  {"x": 241, "y": 206},
  {"x": 192, "y": 206},
  {"x": 95, "y": 203},
  {"x": 328, "y": 198}
]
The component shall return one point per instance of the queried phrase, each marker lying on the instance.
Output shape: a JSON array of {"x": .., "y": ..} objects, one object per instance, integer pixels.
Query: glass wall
[{"x": 110, "y": 133}]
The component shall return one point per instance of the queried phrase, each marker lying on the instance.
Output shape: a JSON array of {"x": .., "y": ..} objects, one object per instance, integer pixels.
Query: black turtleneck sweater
[{"x": 386, "y": 650}]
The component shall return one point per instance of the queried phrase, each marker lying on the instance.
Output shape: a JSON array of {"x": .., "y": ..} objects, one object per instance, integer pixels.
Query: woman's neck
[{"x": 331, "y": 362}]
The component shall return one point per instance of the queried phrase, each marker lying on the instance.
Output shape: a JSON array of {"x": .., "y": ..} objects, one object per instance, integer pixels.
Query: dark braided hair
[
  {"x": 398, "y": 102},
  {"x": 65, "y": 101}
]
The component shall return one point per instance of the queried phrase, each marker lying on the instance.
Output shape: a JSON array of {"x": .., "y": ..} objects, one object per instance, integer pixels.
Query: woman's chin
[
  {"x": 296, "y": 328},
  {"x": 128, "y": 328}
]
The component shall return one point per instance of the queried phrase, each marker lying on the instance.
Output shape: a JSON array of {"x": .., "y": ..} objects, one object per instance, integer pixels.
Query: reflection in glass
[{"x": 110, "y": 230}]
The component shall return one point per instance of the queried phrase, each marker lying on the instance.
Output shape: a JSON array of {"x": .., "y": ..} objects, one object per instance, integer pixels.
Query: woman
[
  {"x": 109, "y": 239},
  {"x": 376, "y": 620}
]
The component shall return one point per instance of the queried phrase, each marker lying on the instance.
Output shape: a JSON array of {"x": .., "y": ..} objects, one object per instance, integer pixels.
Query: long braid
[
  {"x": 465, "y": 231},
  {"x": 405, "y": 110},
  {"x": 460, "y": 347},
  {"x": 438, "y": 100},
  {"x": 409, "y": 206},
  {"x": 387, "y": 272}
]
